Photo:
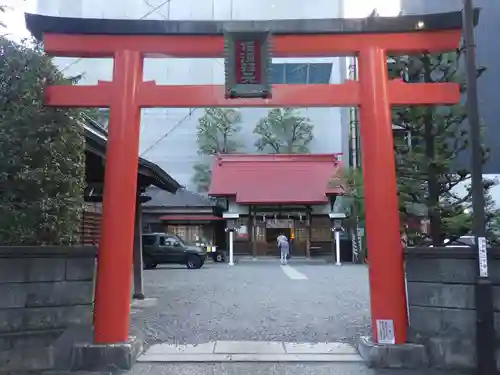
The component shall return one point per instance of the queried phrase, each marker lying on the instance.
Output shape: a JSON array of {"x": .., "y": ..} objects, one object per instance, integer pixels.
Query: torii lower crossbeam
[{"x": 348, "y": 94}]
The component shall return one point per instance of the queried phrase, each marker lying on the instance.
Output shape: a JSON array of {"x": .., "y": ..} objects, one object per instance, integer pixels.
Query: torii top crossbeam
[{"x": 78, "y": 37}]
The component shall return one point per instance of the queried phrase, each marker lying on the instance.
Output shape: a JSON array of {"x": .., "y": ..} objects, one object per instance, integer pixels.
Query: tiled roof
[
  {"x": 190, "y": 218},
  {"x": 183, "y": 198},
  {"x": 277, "y": 178}
]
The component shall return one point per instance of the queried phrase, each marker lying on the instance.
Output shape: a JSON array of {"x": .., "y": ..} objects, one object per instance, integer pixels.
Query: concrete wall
[
  {"x": 441, "y": 302},
  {"x": 43, "y": 292},
  {"x": 175, "y": 128}
]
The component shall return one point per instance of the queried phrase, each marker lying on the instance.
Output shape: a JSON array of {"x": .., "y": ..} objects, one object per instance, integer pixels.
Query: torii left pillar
[
  {"x": 112, "y": 344},
  {"x": 114, "y": 262}
]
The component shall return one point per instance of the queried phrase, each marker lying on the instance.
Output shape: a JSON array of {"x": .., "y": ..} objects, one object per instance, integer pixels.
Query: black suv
[{"x": 162, "y": 248}]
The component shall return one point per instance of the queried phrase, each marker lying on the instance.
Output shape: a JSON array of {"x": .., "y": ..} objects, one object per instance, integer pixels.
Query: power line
[
  {"x": 179, "y": 123},
  {"x": 141, "y": 18},
  {"x": 192, "y": 110}
]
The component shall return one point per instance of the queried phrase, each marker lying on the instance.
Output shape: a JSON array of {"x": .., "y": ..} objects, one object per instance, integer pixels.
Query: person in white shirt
[{"x": 284, "y": 248}]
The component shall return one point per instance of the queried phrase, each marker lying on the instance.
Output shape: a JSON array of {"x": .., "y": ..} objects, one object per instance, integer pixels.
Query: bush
[{"x": 42, "y": 159}]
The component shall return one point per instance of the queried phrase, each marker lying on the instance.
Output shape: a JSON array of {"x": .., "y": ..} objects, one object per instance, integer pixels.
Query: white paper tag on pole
[
  {"x": 385, "y": 332},
  {"x": 483, "y": 256}
]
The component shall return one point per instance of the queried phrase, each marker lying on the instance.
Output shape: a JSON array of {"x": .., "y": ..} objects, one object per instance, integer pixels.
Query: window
[
  {"x": 148, "y": 240},
  {"x": 180, "y": 231},
  {"x": 320, "y": 73},
  {"x": 296, "y": 73},
  {"x": 277, "y": 73},
  {"x": 260, "y": 232},
  {"x": 156, "y": 227},
  {"x": 162, "y": 241},
  {"x": 308, "y": 73},
  {"x": 170, "y": 241},
  {"x": 322, "y": 233},
  {"x": 321, "y": 229},
  {"x": 301, "y": 234}
]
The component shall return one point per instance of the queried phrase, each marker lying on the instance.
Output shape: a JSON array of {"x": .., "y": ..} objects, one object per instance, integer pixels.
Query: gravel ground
[
  {"x": 271, "y": 369},
  {"x": 254, "y": 301}
]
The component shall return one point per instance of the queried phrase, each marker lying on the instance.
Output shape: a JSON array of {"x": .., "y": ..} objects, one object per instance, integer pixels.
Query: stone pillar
[
  {"x": 253, "y": 235},
  {"x": 442, "y": 306},
  {"x": 138, "y": 264},
  {"x": 309, "y": 234}
]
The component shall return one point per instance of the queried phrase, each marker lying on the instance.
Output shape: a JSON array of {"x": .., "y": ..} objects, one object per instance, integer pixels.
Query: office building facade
[
  {"x": 168, "y": 135},
  {"x": 488, "y": 55}
]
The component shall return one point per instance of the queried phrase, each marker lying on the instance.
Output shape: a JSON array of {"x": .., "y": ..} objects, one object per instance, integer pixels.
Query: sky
[
  {"x": 14, "y": 18},
  {"x": 361, "y": 8},
  {"x": 353, "y": 8}
]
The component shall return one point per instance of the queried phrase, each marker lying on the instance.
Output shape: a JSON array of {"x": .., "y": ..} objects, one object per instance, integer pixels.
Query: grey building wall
[
  {"x": 168, "y": 135},
  {"x": 488, "y": 55},
  {"x": 45, "y": 291},
  {"x": 442, "y": 307}
]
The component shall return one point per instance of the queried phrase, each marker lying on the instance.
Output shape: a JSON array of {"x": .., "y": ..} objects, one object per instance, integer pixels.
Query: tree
[
  {"x": 284, "y": 131},
  {"x": 428, "y": 166},
  {"x": 3, "y": 9},
  {"x": 42, "y": 159},
  {"x": 216, "y": 133},
  {"x": 352, "y": 182},
  {"x": 202, "y": 176},
  {"x": 353, "y": 204},
  {"x": 492, "y": 218}
]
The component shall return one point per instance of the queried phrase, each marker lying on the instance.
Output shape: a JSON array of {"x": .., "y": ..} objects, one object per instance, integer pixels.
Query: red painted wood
[
  {"x": 114, "y": 260},
  {"x": 387, "y": 288},
  {"x": 282, "y": 45},
  {"x": 191, "y": 96}
]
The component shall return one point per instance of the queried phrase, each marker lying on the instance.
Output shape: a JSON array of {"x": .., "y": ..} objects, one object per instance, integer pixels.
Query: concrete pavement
[
  {"x": 254, "y": 301},
  {"x": 252, "y": 351},
  {"x": 271, "y": 369}
]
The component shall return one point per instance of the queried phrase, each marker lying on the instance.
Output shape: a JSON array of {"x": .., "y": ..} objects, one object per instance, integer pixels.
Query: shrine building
[{"x": 265, "y": 195}]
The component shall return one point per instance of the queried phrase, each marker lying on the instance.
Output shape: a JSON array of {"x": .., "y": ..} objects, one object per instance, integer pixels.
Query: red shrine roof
[
  {"x": 190, "y": 218},
  {"x": 277, "y": 178}
]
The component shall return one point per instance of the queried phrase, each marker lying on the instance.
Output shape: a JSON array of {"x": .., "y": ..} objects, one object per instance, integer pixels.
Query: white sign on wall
[
  {"x": 385, "y": 332},
  {"x": 247, "y": 64}
]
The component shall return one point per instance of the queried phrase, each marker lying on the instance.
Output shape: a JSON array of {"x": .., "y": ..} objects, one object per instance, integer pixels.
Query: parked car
[{"x": 162, "y": 248}]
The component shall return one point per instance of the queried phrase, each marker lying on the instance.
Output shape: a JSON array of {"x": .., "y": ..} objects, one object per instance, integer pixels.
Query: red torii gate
[{"x": 129, "y": 41}]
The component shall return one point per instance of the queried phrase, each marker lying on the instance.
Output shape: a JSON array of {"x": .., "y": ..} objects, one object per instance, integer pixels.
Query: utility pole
[{"x": 485, "y": 331}]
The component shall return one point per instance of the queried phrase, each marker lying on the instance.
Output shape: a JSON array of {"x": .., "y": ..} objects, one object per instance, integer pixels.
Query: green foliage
[
  {"x": 427, "y": 168},
  {"x": 353, "y": 203},
  {"x": 216, "y": 133},
  {"x": 217, "y": 130},
  {"x": 492, "y": 218},
  {"x": 42, "y": 160},
  {"x": 493, "y": 228},
  {"x": 202, "y": 176},
  {"x": 352, "y": 182},
  {"x": 284, "y": 131},
  {"x": 3, "y": 8}
]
